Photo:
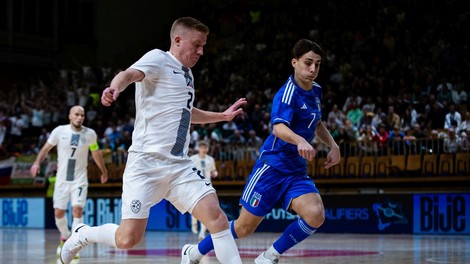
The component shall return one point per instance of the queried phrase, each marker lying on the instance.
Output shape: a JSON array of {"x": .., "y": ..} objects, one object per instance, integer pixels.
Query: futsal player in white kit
[
  {"x": 73, "y": 141},
  {"x": 158, "y": 165}
]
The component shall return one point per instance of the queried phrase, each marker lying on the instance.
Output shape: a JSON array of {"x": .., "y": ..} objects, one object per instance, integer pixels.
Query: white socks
[
  {"x": 75, "y": 222},
  {"x": 105, "y": 234},
  {"x": 225, "y": 247},
  {"x": 63, "y": 227}
]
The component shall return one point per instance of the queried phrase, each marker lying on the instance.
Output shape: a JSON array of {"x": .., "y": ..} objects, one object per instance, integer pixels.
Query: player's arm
[
  {"x": 39, "y": 158},
  {"x": 98, "y": 158},
  {"x": 119, "y": 84},
  {"x": 325, "y": 137},
  {"x": 203, "y": 117},
  {"x": 304, "y": 148}
]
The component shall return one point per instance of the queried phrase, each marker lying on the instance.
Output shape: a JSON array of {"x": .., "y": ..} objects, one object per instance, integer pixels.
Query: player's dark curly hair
[{"x": 303, "y": 46}]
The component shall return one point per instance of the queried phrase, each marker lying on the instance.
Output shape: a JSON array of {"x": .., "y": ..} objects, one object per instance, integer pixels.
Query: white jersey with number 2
[{"x": 164, "y": 99}]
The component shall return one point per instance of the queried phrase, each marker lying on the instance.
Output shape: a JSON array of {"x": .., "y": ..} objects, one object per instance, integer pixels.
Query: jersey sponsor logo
[
  {"x": 255, "y": 199},
  {"x": 74, "y": 140},
  {"x": 304, "y": 107},
  {"x": 135, "y": 206}
]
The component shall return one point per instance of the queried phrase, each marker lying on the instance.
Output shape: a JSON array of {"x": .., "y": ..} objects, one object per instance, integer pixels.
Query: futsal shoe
[
  {"x": 185, "y": 255},
  {"x": 261, "y": 259},
  {"x": 73, "y": 245}
]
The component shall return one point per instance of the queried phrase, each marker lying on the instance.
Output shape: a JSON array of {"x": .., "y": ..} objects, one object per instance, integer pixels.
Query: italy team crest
[{"x": 254, "y": 201}]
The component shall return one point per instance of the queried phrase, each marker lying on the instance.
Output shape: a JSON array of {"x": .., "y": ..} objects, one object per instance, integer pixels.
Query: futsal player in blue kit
[{"x": 280, "y": 172}]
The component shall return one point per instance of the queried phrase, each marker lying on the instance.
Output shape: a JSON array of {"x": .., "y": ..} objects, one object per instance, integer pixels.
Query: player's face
[
  {"x": 77, "y": 116},
  {"x": 306, "y": 69},
  {"x": 192, "y": 47},
  {"x": 203, "y": 149}
]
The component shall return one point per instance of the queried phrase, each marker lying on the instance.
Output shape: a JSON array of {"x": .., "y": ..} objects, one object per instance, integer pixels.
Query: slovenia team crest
[
  {"x": 135, "y": 206},
  {"x": 254, "y": 201}
]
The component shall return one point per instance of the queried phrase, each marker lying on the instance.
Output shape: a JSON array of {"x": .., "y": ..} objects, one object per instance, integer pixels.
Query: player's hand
[
  {"x": 34, "y": 170},
  {"x": 333, "y": 158},
  {"x": 104, "y": 177},
  {"x": 109, "y": 95},
  {"x": 306, "y": 150},
  {"x": 234, "y": 110}
]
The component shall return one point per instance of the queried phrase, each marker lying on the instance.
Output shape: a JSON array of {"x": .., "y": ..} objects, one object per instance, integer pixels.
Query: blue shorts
[{"x": 266, "y": 186}]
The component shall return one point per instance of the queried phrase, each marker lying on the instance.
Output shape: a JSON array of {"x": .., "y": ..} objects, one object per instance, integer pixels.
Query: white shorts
[
  {"x": 64, "y": 192},
  {"x": 150, "y": 178}
]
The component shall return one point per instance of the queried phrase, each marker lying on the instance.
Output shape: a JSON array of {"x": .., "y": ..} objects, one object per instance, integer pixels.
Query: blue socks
[{"x": 294, "y": 234}]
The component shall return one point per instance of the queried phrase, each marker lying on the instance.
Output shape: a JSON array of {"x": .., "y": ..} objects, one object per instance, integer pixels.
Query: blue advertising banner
[
  {"x": 22, "y": 212},
  {"x": 442, "y": 214},
  {"x": 165, "y": 217},
  {"x": 376, "y": 213},
  {"x": 99, "y": 211},
  {"x": 387, "y": 214}
]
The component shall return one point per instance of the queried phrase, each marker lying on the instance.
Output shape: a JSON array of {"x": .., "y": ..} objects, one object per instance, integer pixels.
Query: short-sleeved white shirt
[
  {"x": 72, "y": 152},
  {"x": 163, "y": 99},
  {"x": 206, "y": 165}
]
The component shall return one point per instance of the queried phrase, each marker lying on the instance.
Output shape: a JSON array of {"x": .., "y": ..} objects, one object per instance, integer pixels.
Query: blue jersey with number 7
[{"x": 300, "y": 110}]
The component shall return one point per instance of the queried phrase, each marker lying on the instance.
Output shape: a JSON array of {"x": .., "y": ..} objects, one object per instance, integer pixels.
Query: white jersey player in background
[
  {"x": 158, "y": 166},
  {"x": 73, "y": 143},
  {"x": 206, "y": 164}
]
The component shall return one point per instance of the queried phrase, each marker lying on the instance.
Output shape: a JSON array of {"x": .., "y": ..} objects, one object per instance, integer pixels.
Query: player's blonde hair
[{"x": 188, "y": 23}]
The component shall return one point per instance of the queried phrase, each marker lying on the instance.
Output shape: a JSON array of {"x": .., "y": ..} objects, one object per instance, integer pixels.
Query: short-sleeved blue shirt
[{"x": 301, "y": 111}]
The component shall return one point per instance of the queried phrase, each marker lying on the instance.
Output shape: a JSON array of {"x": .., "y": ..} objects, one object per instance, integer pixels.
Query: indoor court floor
[{"x": 27, "y": 246}]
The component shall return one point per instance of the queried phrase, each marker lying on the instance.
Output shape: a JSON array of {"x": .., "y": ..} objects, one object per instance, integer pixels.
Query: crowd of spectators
[{"x": 388, "y": 74}]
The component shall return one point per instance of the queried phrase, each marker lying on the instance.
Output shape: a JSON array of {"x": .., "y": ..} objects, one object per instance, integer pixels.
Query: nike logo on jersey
[
  {"x": 176, "y": 72},
  {"x": 207, "y": 183},
  {"x": 304, "y": 107}
]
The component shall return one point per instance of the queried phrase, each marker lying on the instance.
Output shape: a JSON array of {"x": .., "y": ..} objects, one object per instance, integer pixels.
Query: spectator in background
[
  {"x": 336, "y": 116},
  {"x": 42, "y": 138},
  {"x": 452, "y": 118},
  {"x": 355, "y": 113},
  {"x": 459, "y": 95},
  {"x": 464, "y": 125},
  {"x": 17, "y": 126},
  {"x": 444, "y": 93},
  {"x": 435, "y": 117},
  {"x": 229, "y": 128},
  {"x": 451, "y": 141},
  {"x": 253, "y": 143},
  {"x": 236, "y": 139},
  {"x": 379, "y": 118},
  {"x": 369, "y": 105},
  {"x": 37, "y": 118},
  {"x": 393, "y": 119},
  {"x": 395, "y": 137},
  {"x": 382, "y": 139},
  {"x": 368, "y": 140},
  {"x": 351, "y": 130}
]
